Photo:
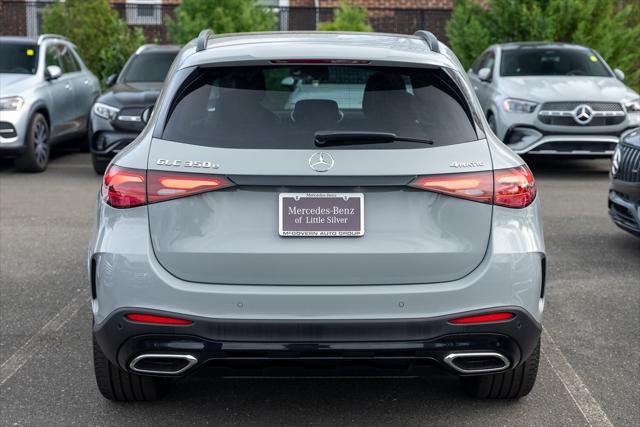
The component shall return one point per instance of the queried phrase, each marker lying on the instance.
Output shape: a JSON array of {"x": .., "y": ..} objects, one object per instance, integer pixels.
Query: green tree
[
  {"x": 611, "y": 27},
  {"x": 222, "y": 16},
  {"x": 348, "y": 18},
  {"x": 103, "y": 39}
]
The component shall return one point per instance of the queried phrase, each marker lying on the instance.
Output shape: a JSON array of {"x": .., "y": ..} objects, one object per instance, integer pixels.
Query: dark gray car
[{"x": 115, "y": 117}]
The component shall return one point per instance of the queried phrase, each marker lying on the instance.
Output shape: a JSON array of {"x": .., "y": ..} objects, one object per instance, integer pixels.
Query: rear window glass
[
  {"x": 552, "y": 62},
  {"x": 282, "y": 107}
]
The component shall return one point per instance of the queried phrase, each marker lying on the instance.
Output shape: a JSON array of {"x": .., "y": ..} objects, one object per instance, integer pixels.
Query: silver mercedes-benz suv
[
  {"x": 554, "y": 98},
  {"x": 317, "y": 203},
  {"x": 46, "y": 93}
]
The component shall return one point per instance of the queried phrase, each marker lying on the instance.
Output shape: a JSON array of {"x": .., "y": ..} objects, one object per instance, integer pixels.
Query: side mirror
[
  {"x": 52, "y": 72},
  {"x": 288, "y": 81},
  {"x": 111, "y": 80},
  {"x": 146, "y": 114},
  {"x": 619, "y": 73},
  {"x": 484, "y": 74}
]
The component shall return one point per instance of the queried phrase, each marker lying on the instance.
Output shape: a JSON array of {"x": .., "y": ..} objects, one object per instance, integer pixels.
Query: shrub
[
  {"x": 611, "y": 27},
  {"x": 222, "y": 16},
  {"x": 348, "y": 18},
  {"x": 103, "y": 39}
]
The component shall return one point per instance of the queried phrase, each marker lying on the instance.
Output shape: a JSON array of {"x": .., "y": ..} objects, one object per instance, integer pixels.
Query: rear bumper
[{"x": 328, "y": 347}]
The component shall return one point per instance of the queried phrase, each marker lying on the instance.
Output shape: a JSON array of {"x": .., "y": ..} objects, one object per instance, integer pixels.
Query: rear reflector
[
  {"x": 482, "y": 318},
  {"x": 150, "y": 318},
  {"x": 512, "y": 188},
  {"x": 128, "y": 188}
]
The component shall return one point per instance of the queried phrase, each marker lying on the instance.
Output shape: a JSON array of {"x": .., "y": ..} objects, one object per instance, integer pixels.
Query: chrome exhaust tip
[
  {"x": 162, "y": 364},
  {"x": 477, "y": 363}
]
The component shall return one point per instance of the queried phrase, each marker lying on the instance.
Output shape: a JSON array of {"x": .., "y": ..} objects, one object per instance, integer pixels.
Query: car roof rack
[
  {"x": 203, "y": 39},
  {"x": 430, "y": 38},
  {"x": 43, "y": 37}
]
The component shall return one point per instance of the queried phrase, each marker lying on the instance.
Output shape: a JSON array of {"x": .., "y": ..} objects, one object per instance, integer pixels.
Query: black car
[
  {"x": 115, "y": 117},
  {"x": 624, "y": 188}
]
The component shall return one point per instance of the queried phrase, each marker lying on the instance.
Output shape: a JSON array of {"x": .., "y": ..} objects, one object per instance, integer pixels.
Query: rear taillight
[
  {"x": 124, "y": 188},
  {"x": 164, "y": 186},
  {"x": 512, "y": 188},
  {"x": 128, "y": 188}
]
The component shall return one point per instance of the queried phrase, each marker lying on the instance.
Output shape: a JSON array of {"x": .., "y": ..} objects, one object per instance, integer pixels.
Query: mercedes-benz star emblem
[
  {"x": 583, "y": 114},
  {"x": 321, "y": 162}
]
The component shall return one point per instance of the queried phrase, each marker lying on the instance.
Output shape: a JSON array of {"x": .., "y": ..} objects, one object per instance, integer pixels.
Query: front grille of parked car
[
  {"x": 128, "y": 125},
  {"x": 561, "y": 113},
  {"x": 570, "y": 106},
  {"x": 629, "y": 169}
]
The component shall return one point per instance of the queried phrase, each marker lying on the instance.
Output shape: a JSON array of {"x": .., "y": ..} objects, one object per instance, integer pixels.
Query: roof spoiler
[
  {"x": 430, "y": 39},
  {"x": 203, "y": 39}
]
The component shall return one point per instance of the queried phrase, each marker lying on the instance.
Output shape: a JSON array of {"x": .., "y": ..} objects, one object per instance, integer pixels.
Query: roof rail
[
  {"x": 432, "y": 41},
  {"x": 203, "y": 38},
  {"x": 50, "y": 36}
]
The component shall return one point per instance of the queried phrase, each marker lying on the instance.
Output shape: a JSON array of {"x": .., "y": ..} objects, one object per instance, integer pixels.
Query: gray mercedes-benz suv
[
  {"x": 46, "y": 92},
  {"x": 317, "y": 203},
  {"x": 554, "y": 98}
]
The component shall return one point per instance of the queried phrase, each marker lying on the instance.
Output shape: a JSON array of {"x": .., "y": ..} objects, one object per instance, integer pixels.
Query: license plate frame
[{"x": 317, "y": 223}]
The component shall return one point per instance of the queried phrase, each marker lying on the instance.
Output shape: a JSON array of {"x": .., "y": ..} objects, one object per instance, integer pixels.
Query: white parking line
[
  {"x": 24, "y": 353},
  {"x": 590, "y": 408}
]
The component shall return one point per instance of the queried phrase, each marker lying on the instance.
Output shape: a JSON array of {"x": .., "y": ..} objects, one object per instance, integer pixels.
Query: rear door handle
[
  {"x": 67, "y": 86},
  {"x": 86, "y": 81}
]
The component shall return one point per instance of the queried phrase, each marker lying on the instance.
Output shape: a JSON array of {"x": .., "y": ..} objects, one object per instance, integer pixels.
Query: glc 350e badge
[{"x": 188, "y": 164}]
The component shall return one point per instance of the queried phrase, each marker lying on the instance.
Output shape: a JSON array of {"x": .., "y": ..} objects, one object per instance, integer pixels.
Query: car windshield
[
  {"x": 552, "y": 62},
  {"x": 284, "y": 107},
  {"x": 148, "y": 67},
  {"x": 18, "y": 58}
]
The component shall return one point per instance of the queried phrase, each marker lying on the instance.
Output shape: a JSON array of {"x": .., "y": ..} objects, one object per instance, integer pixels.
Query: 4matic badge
[
  {"x": 466, "y": 164},
  {"x": 188, "y": 164}
]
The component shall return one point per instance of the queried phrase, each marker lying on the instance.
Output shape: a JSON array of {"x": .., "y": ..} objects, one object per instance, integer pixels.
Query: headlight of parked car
[
  {"x": 615, "y": 161},
  {"x": 105, "y": 111},
  {"x": 13, "y": 103},
  {"x": 518, "y": 106},
  {"x": 633, "y": 106}
]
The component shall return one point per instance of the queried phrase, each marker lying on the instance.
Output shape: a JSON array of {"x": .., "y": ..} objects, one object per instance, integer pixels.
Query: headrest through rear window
[{"x": 316, "y": 111}]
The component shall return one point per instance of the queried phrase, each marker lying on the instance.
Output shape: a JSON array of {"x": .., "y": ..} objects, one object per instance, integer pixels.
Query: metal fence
[{"x": 19, "y": 17}]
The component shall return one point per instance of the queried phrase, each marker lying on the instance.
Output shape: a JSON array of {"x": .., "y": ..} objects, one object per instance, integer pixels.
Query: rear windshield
[
  {"x": 552, "y": 62},
  {"x": 148, "y": 67},
  {"x": 19, "y": 58},
  {"x": 282, "y": 107}
]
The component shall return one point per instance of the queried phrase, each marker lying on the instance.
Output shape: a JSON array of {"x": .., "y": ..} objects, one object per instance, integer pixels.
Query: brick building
[{"x": 23, "y": 17}]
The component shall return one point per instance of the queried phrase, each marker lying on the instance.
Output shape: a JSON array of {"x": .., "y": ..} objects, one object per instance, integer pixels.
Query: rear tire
[
  {"x": 99, "y": 164},
  {"x": 119, "y": 385},
  {"x": 36, "y": 151},
  {"x": 512, "y": 384}
]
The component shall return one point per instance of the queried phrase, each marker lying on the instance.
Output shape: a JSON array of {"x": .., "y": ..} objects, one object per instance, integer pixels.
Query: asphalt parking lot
[{"x": 589, "y": 372}]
